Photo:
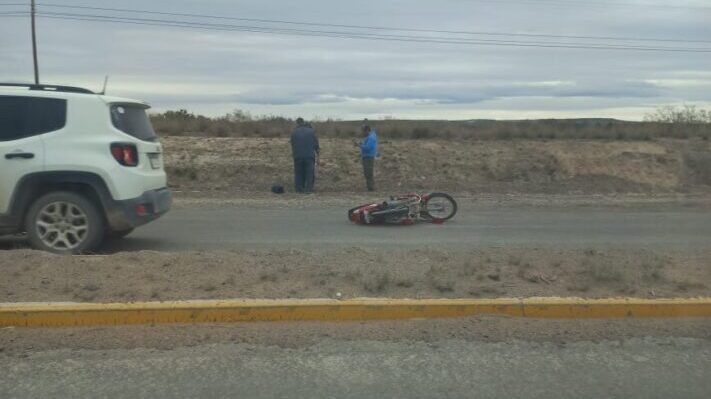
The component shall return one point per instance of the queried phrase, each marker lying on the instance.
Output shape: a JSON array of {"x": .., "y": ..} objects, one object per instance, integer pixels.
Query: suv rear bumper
[{"x": 149, "y": 206}]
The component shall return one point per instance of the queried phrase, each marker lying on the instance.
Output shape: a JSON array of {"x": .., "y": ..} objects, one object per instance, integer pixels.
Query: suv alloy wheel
[{"x": 64, "y": 222}]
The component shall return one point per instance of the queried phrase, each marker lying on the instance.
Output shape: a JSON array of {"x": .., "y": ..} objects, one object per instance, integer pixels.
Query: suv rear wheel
[{"x": 64, "y": 222}]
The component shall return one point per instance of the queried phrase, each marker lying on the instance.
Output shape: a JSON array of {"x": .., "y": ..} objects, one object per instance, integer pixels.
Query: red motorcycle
[{"x": 406, "y": 209}]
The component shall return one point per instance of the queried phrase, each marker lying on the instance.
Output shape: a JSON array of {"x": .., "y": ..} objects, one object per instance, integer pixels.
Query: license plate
[{"x": 155, "y": 161}]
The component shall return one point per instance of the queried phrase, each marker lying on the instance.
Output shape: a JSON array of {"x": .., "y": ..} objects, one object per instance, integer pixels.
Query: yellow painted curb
[{"x": 57, "y": 314}]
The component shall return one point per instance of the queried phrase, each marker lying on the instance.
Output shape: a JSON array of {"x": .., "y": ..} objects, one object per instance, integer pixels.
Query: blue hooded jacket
[{"x": 369, "y": 146}]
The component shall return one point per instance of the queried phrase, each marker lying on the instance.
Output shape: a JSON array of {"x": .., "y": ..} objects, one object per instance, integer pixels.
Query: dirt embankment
[
  {"x": 356, "y": 272},
  {"x": 516, "y": 166}
]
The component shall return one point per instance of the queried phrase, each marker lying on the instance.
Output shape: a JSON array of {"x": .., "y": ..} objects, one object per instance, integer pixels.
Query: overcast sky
[{"x": 213, "y": 72}]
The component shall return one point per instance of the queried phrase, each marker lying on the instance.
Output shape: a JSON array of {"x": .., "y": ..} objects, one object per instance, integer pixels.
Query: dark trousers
[
  {"x": 368, "y": 166},
  {"x": 304, "y": 175}
]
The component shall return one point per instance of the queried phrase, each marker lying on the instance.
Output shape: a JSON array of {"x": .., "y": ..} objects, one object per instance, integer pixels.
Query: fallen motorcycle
[{"x": 406, "y": 209}]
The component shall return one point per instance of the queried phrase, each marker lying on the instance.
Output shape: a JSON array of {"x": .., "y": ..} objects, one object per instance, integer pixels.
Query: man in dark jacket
[{"x": 304, "y": 148}]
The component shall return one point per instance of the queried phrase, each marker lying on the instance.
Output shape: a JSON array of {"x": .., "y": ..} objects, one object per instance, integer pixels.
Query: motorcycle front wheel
[{"x": 440, "y": 206}]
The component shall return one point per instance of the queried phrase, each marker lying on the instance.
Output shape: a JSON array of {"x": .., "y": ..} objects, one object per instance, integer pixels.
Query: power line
[
  {"x": 364, "y": 36},
  {"x": 361, "y": 35},
  {"x": 597, "y": 3},
  {"x": 593, "y": 4},
  {"x": 288, "y": 30},
  {"x": 352, "y": 35},
  {"x": 421, "y": 30},
  {"x": 554, "y": 2},
  {"x": 310, "y": 32}
]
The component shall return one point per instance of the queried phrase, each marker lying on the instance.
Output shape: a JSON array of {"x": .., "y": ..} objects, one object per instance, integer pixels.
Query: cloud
[
  {"x": 457, "y": 93},
  {"x": 217, "y": 71}
]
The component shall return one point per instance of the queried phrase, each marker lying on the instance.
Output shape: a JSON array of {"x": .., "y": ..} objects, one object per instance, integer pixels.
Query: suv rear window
[
  {"x": 22, "y": 116},
  {"x": 132, "y": 119}
]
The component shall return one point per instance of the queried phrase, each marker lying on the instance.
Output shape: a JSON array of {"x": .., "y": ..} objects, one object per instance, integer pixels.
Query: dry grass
[
  {"x": 376, "y": 283},
  {"x": 697, "y": 165},
  {"x": 525, "y": 166},
  {"x": 440, "y": 278},
  {"x": 422, "y": 273},
  {"x": 602, "y": 270}
]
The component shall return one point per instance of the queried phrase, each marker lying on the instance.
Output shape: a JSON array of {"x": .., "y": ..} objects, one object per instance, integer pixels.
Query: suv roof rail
[{"x": 43, "y": 87}]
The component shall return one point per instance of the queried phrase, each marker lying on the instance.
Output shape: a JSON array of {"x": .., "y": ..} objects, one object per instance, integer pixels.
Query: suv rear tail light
[
  {"x": 125, "y": 154},
  {"x": 141, "y": 210}
]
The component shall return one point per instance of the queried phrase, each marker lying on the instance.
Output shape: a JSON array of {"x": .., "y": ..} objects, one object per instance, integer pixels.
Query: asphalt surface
[
  {"x": 662, "y": 367},
  {"x": 635, "y": 368},
  {"x": 230, "y": 227},
  {"x": 239, "y": 227}
]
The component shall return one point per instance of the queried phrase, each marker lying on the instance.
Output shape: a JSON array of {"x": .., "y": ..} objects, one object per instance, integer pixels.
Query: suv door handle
[{"x": 20, "y": 155}]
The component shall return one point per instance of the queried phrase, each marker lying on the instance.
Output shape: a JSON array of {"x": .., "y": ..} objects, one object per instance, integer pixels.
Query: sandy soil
[
  {"x": 354, "y": 272},
  {"x": 517, "y": 166}
]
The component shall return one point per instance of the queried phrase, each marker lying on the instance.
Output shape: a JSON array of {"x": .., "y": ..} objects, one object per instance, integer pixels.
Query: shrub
[
  {"x": 376, "y": 282},
  {"x": 679, "y": 115},
  {"x": 668, "y": 122},
  {"x": 601, "y": 270}
]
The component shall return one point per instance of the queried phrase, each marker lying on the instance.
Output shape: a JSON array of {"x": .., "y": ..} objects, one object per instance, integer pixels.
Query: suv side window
[{"x": 22, "y": 116}]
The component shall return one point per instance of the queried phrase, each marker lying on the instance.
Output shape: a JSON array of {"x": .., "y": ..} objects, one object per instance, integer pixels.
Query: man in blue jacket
[
  {"x": 368, "y": 151},
  {"x": 304, "y": 148}
]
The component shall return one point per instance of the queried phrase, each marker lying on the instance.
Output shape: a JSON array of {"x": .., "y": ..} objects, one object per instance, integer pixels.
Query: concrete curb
[{"x": 62, "y": 314}]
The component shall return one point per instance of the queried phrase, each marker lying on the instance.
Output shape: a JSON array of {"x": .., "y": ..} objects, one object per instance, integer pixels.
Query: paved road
[
  {"x": 234, "y": 227},
  {"x": 635, "y": 368},
  {"x": 226, "y": 228}
]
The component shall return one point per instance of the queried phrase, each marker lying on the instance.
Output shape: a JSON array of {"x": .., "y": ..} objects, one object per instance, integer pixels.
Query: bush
[
  {"x": 668, "y": 122},
  {"x": 683, "y": 114},
  {"x": 602, "y": 270},
  {"x": 376, "y": 282},
  {"x": 421, "y": 133}
]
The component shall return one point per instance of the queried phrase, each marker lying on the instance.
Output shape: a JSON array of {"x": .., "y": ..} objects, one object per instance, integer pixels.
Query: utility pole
[{"x": 34, "y": 43}]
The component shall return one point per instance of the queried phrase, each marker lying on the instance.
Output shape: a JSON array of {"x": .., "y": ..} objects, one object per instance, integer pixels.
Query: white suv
[{"x": 76, "y": 167}]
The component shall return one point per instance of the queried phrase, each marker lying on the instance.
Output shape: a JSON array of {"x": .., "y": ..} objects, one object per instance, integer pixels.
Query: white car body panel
[{"x": 82, "y": 145}]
